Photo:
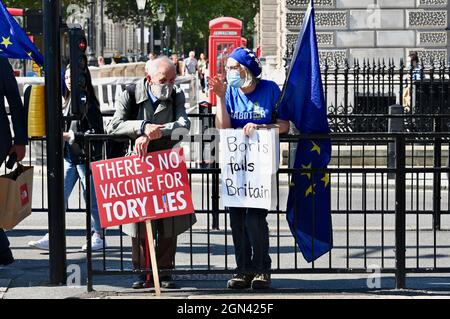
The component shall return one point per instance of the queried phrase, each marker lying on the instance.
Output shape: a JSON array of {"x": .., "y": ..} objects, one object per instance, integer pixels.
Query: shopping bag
[{"x": 16, "y": 190}]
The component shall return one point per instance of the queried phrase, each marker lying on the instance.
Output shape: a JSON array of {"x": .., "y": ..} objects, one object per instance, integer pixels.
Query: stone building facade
[
  {"x": 358, "y": 29},
  {"x": 117, "y": 37}
]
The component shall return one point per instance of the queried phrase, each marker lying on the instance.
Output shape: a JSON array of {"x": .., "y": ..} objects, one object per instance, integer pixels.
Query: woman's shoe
[
  {"x": 261, "y": 281},
  {"x": 240, "y": 281}
]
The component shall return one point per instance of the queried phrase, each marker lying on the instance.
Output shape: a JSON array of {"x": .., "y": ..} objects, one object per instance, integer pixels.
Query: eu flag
[
  {"x": 14, "y": 42},
  {"x": 303, "y": 102}
]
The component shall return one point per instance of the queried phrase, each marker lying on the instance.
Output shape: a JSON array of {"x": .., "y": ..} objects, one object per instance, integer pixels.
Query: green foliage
[
  {"x": 37, "y": 4},
  {"x": 196, "y": 15},
  {"x": 23, "y": 4}
]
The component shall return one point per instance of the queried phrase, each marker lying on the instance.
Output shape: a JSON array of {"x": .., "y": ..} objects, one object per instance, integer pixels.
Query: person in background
[
  {"x": 8, "y": 147},
  {"x": 413, "y": 74},
  {"x": 206, "y": 73},
  {"x": 176, "y": 62},
  {"x": 245, "y": 101},
  {"x": 116, "y": 58},
  {"x": 152, "y": 56},
  {"x": 415, "y": 65},
  {"x": 101, "y": 61},
  {"x": 190, "y": 64},
  {"x": 201, "y": 70},
  {"x": 74, "y": 159}
]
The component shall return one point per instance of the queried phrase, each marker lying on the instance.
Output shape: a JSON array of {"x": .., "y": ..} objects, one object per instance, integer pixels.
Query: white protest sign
[{"x": 248, "y": 166}]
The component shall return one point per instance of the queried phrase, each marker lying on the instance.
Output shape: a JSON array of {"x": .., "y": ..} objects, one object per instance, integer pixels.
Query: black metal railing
[
  {"x": 390, "y": 214},
  {"x": 358, "y": 97},
  {"x": 383, "y": 217},
  {"x": 390, "y": 191}
]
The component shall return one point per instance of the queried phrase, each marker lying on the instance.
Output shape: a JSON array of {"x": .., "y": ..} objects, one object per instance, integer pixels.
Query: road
[{"x": 367, "y": 236}]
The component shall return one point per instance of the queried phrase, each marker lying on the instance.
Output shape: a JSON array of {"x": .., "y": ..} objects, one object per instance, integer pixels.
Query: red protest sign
[{"x": 133, "y": 189}]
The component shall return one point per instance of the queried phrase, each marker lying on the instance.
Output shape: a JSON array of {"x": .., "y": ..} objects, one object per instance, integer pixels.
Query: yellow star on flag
[
  {"x": 315, "y": 148},
  {"x": 30, "y": 54},
  {"x": 307, "y": 167},
  {"x": 310, "y": 190},
  {"x": 6, "y": 41},
  {"x": 326, "y": 179}
]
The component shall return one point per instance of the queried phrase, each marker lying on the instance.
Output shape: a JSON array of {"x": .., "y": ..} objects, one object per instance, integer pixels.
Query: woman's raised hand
[{"x": 218, "y": 86}]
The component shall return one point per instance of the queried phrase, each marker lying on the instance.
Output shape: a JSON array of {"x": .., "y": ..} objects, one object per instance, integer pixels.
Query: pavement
[
  {"x": 28, "y": 277},
  {"x": 360, "y": 242},
  {"x": 283, "y": 287},
  {"x": 370, "y": 241},
  {"x": 4, "y": 284}
]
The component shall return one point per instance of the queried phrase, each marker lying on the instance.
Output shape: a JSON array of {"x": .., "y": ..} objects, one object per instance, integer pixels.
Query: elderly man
[
  {"x": 158, "y": 108},
  {"x": 190, "y": 64}
]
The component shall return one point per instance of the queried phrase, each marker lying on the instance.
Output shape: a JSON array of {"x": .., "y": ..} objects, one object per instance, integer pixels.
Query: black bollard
[
  {"x": 55, "y": 156},
  {"x": 209, "y": 150},
  {"x": 292, "y": 146},
  {"x": 395, "y": 125}
]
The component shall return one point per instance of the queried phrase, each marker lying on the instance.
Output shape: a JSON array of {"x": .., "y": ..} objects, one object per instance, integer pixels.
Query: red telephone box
[
  {"x": 15, "y": 12},
  {"x": 225, "y": 36},
  {"x": 244, "y": 42}
]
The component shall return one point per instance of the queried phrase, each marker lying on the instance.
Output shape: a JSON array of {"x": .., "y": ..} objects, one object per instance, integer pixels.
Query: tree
[
  {"x": 195, "y": 13},
  {"x": 23, "y": 4},
  {"x": 37, "y": 4}
]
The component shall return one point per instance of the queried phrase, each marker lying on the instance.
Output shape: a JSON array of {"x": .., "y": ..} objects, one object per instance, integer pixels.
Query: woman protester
[{"x": 245, "y": 101}]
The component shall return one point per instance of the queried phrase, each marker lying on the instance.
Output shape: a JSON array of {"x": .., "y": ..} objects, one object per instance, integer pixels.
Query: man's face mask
[
  {"x": 234, "y": 79},
  {"x": 162, "y": 91}
]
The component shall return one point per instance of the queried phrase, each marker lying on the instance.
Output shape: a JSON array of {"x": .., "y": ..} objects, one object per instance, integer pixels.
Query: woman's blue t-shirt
[{"x": 256, "y": 107}]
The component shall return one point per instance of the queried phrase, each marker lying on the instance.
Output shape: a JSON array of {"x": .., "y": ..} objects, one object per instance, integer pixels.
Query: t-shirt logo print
[{"x": 258, "y": 113}]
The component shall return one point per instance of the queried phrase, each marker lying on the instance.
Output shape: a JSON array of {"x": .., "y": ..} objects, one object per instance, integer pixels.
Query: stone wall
[
  {"x": 349, "y": 29},
  {"x": 269, "y": 27},
  {"x": 117, "y": 36}
]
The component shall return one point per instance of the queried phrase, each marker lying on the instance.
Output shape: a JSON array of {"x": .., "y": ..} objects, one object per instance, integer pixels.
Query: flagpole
[
  {"x": 308, "y": 210},
  {"x": 309, "y": 11},
  {"x": 54, "y": 124}
]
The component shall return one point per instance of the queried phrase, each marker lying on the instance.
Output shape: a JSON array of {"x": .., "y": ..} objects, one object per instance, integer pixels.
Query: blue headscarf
[{"x": 247, "y": 58}]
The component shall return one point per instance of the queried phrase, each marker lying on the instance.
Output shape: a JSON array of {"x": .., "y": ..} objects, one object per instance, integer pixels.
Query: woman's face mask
[{"x": 234, "y": 79}]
